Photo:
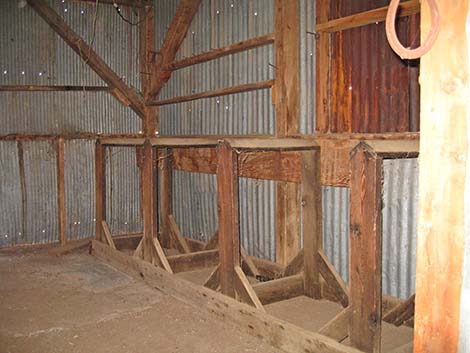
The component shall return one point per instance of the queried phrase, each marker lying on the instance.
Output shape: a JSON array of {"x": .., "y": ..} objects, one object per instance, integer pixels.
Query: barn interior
[{"x": 234, "y": 176}]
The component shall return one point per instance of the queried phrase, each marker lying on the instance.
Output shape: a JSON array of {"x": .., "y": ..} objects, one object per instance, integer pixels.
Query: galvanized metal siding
[
  {"x": 31, "y": 53},
  {"x": 399, "y": 225},
  {"x": 10, "y": 195}
]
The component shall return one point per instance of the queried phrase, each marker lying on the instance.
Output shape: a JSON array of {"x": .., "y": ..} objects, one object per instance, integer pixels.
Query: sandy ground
[{"x": 75, "y": 303}]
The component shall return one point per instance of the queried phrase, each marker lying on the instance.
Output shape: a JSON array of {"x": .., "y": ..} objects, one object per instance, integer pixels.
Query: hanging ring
[{"x": 397, "y": 47}]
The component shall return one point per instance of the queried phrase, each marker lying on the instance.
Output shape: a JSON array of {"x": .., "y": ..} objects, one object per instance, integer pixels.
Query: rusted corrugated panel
[
  {"x": 372, "y": 89},
  {"x": 33, "y": 54},
  {"x": 10, "y": 195}
]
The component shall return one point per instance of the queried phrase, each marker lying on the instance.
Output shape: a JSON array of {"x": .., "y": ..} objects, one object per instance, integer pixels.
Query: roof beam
[
  {"x": 88, "y": 55},
  {"x": 179, "y": 26}
]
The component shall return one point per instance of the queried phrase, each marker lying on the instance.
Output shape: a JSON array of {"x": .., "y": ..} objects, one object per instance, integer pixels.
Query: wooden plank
[
  {"x": 148, "y": 201},
  {"x": 365, "y": 254},
  {"x": 107, "y": 234},
  {"x": 175, "y": 35},
  {"x": 166, "y": 191},
  {"x": 44, "y": 88},
  {"x": 213, "y": 281},
  {"x": 55, "y": 21},
  {"x": 62, "y": 216},
  {"x": 223, "y": 51},
  {"x": 252, "y": 269},
  {"x": 268, "y": 268},
  {"x": 194, "y": 261},
  {"x": 176, "y": 236},
  {"x": 337, "y": 328},
  {"x": 333, "y": 279},
  {"x": 70, "y": 247},
  {"x": 270, "y": 165},
  {"x": 296, "y": 265},
  {"x": 282, "y": 335},
  {"x": 244, "y": 289},
  {"x": 280, "y": 289},
  {"x": 161, "y": 255},
  {"x": 215, "y": 93},
  {"x": 100, "y": 189},
  {"x": 131, "y": 3},
  {"x": 311, "y": 221},
  {"x": 214, "y": 242},
  {"x": 322, "y": 70},
  {"x": 195, "y": 245},
  {"x": 401, "y": 312},
  {"x": 138, "y": 250},
  {"x": 407, "y": 8},
  {"x": 335, "y": 168},
  {"x": 198, "y": 160},
  {"x": 229, "y": 238}
]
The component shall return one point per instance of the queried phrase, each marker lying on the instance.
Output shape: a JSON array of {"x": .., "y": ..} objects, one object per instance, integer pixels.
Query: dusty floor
[{"x": 76, "y": 303}]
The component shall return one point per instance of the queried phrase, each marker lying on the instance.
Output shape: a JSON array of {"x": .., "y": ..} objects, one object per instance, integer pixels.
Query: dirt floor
[{"x": 75, "y": 303}]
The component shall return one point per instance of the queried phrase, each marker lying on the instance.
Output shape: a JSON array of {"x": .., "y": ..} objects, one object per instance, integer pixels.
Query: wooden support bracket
[
  {"x": 337, "y": 328},
  {"x": 244, "y": 289},
  {"x": 176, "y": 236},
  {"x": 213, "y": 281},
  {"x": 107, "y": 234},
  {"x": 333, "y": 279}
]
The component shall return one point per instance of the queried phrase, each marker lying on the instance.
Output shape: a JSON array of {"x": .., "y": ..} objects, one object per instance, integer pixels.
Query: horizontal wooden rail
[
  {"x": 365, "y": 18},
  {"x": 65, "y": 136},
  {"x": 132, "y": 3},
  {"x": 36, "y": 88},
  {"x": 216, "y": 93},
  {"x": 223, "y": 51}
]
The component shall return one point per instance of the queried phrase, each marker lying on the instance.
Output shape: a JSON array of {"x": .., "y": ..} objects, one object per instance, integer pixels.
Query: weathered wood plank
[
  {"x": 253, "y": 270},
  {"x": 229, "y": 238},
  {"x": 44, "y": 88},
  {"x": 107, "y": 234},
  {"x": 245, "y": 291},
  {"x": 311, "y": 221},
  {"x": 338, "y": 327},
  {"x": 280, "y": 289},
  {"x": 322, "y": 70},
  {"x": 194, "y": 261},
  {"x": 296, "y": 265},
  {"x": 176, "y": 236},
  {"x": 213, "y": 281},
  {"x": 55, "y": 21},
  {"x": 333, "y": 279},
  {"x": 401, "y": 312},
  {"x": 365, "y": 254},
  {"x": 280, "y": 334},
  {"x": 213, "y": 242},
  {"x": 100, "y": 189},
  {"x": 62, "y": 216},
  {"x": 406, "y": 8},
  {"x": 165, "y": 162},
  {"x": 223, "y": 51},
  {"x": 148, "y": 201}
]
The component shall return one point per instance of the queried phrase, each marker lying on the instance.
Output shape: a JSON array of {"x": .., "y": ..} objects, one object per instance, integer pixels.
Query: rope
[{"x": 406, "y": 53}]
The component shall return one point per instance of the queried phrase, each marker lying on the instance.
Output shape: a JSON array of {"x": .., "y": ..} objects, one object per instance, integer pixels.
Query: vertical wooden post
[
  {"x": 166, "y": 186},
  {"x": 311, "y": 221},
  {"x": 287, "y": 100},
  {"x": 100, "y": 189},
  {"x": 365, "y": 249},
  {"x": 146, "y": 53},
  {"x": 229, "y": 241},
  {"x": 322, "y": 116},
  {"x": 148, "y": 200},
  {"x": 61, "y": 190},
  {"x": 444, "y": 182}
]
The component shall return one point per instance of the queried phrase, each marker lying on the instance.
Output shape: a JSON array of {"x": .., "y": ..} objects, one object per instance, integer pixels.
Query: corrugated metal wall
[{"x": 31, "y": 53}]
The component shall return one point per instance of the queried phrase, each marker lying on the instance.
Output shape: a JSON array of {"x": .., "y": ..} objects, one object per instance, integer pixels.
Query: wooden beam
[
  {"x": 69, "y": 247},
  {"x": 215, "y": 93},
  {"x": 194, "y": 261},
  {"x": 37, "y": 88},
  {"x": 244, "y": 289},
  {"x": 213, "y": 281},
  {"x": 131, "y": 3},
  {"x": 287, "y": 101},
  {"x": 442, "y": 309},
  {"x": 402, "y": 312},
  {"x": 175, "y": 35},
  {"x": 296, "y": 265},
  {"x": 281, "y": 334},
  {"x": 162, "y": 259},
  {"x": 268, "y": 268},
  {"x": 280, "y": 289},
  {"x": 87, "y": 53},
  {"x": 322, "y": 70},
  {"x": 365, "y": 249},
  {"x": 107, "y": 234},
  {"x": 407, "y": 8},
  {"x": 100, "y": 189},
  {"x": 148, "y": 201},
  {"x": 337, "y": 328},
  {"x": 229, "y": 238},
  {"x": 333, "y": 279},
  {"x": 253, "y": 270},
  {"x": 311, "y": 221},
  {"x": 176, "y": 236},
  {"x": 221, "y": 52},
  {"x": 165, "y": 162},
  {"x": 62, "y": 212}
]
